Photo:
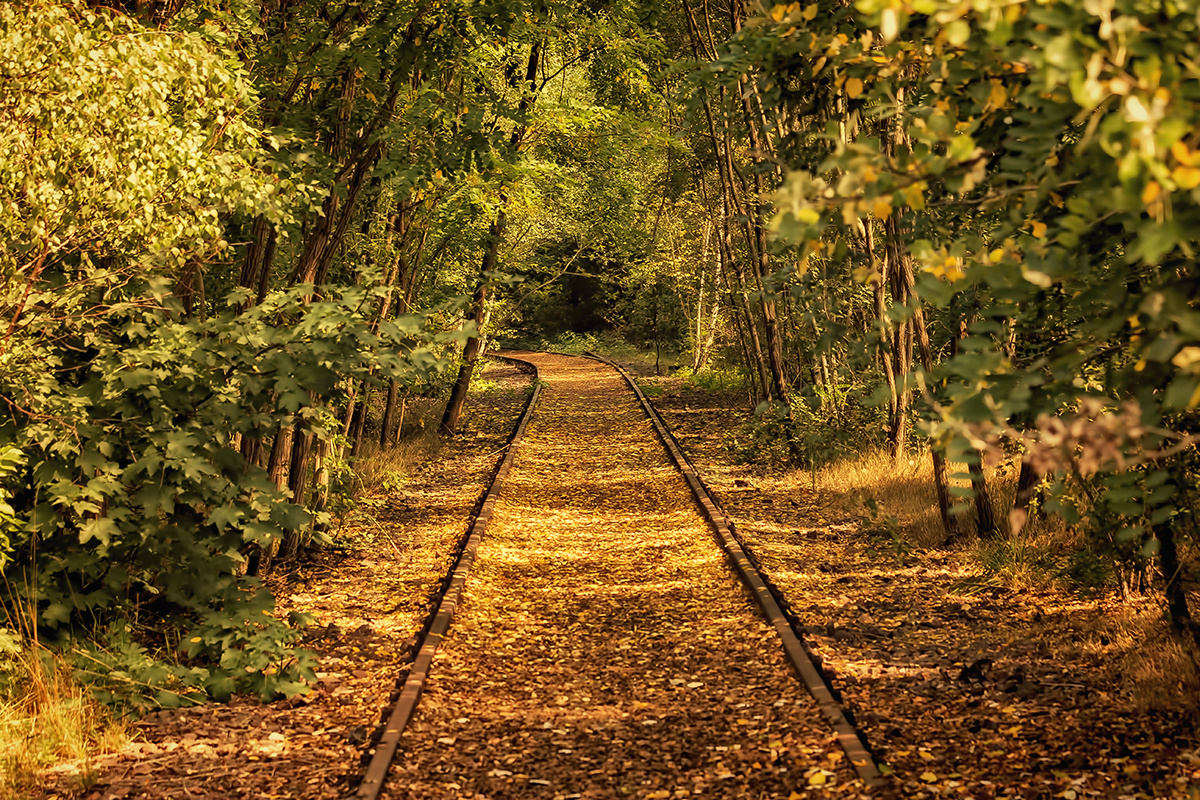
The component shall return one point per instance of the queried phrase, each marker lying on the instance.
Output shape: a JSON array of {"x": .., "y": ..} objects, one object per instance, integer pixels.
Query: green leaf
[{"x": 958, "y": 32}]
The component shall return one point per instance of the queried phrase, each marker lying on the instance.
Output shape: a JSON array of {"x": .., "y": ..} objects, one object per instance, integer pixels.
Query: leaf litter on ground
[
  {"x": 370, "y": 596},
  {"x": 604, "y": 649},
  {"x": 963, "y": 688}
]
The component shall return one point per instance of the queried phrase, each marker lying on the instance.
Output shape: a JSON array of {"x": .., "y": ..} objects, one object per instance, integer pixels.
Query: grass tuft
[
  {"x": 47, "y": 719},
  {"x": 378, "y": 467},
  {"x": 904, "y": 491}
]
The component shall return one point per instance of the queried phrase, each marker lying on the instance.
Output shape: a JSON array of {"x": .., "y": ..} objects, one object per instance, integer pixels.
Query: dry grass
[
  {"x": 903, "y": 490},
  {"x": 906, "y": 491},
  {"x": 1157, "y": 669},
  {"x": 47, "y": 719},
  {"x": 376, "y": 466}
]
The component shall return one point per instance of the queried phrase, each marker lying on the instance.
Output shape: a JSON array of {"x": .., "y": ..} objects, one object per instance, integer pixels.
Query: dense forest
[{"x": 241, "y": 237}]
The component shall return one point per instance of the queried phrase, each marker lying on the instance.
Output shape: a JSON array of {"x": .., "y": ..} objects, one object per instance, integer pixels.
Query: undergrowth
[
  {"x": 1047, "y": 552},
  {"x": 717, "y": 379},
  {"x": 47, "y": 717},
  {"x": 382, "y": 468},
  {"x": 821, "y": 428}
]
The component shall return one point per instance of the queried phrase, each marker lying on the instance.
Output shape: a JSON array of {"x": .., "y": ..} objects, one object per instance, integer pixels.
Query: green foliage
[
  {"x": 1038, "y": 165},
  {"x": 137, "y": 496},
  {"x": 884, "y": 536},
  {"x": 575, "y": 344},
  {"x": 725, "y": 379},
  {"x": 1024, "y": 564},
  {"x": 651, "y": 390},
  {"x": 1018, "y": 562},
  {"x": 85, "y": 178},
  {"x": 1056, "y": 142},
  {"x": 11, "y": 460},
  {"x": 814, "y": 430},
  {"x": 125, "y": 488}
]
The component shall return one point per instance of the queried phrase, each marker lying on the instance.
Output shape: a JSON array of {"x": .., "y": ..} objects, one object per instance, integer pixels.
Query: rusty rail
[
  {"x": 414, "y": 684},
  {"x": 849, "y": 738}
]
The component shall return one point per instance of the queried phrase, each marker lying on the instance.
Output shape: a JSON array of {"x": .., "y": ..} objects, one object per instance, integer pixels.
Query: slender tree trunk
[
  {"x": 755, "y": 379},
  {"x": 1172, "y": 570},
  {"x": 359, "y": 423},
  {"x": 252, "y": 451},
  {"x": 259, "y": 561},
  {"x": 256, "y": 268},
  {"x": 985, "y": 518},
  {"x": 491, "y": 257},
  {"x": 940, "y": 479},
  {"x": 389, "y": 414},
  {"x": 1027, "y": 482},
  {"x": 731, "y": 202},
  {"x": 462, "y": 384},
  {"x": 756, "y": 224},
  {"x": 323, "y": 478},
  {"x": 904, "y": 271},
  {"x": 298, "y": 483},
  {"x": 887, "y": 357},
  {"x": 264, "y": 275},
  {"x": 351, "y": 405},
  {"x": 281, "y": 447},
  {"x": 901, "y": 345}
]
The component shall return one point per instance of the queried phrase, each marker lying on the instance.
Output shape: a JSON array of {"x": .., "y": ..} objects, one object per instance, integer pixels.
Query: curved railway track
[{"x": 608, "y": 725}]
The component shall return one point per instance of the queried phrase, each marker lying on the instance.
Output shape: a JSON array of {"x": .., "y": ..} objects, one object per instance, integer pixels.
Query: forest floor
[
  {"x": 370, "y": 595},
  {"x": 605, "y": 651},
  {"x": 962, "y": 687}
]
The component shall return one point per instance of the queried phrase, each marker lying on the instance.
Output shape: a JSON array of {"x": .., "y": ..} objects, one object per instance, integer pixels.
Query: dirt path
[{"x": 604, "y": 649}]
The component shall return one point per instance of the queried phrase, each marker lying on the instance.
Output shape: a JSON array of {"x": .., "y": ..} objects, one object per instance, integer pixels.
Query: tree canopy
[{"x": 236, "y": 231}]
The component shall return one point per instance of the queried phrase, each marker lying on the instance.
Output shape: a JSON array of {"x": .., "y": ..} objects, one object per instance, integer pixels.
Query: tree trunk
[
  {"x": 901, "y": 344},
  {"x": 985, "y": 518},
  {"x": 884, "y": 349},
  {"x": 756, "y": 380},
  {"x": 904, "y": 270},
  {"x": 389, "y": 416},
  {"x": 252, "y": 451},
  {"x": 756, "y": 227},
  {"x": 298, "y": 483},
  {"x": 458, "y": 395},
  {"x": 323, "y": 478},
  {"x": 491, "y": 256},
  {"x": 281, "y": 447},
  {"x": 259, "y": 560},
  {"x": 348, "y": 416},
  {"x": 256, "y": 269},
  {"x": 359, "y": 423},
  {"x": 1172, "y": 571},
  {"x": 731, "y": 203},
  {"x": 1027, "y": 482}
]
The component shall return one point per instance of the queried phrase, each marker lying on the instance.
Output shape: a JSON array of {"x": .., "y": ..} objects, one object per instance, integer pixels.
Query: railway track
[{"x": 605, "y": 650}]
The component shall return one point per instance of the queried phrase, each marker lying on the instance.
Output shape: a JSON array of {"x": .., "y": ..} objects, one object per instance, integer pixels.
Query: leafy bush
[
  {"x": 814, "y": 431},
  {"x": 132, "y": 401},
  {"x": 137, "y": 495},
  {"x": 717, "y": 379}
]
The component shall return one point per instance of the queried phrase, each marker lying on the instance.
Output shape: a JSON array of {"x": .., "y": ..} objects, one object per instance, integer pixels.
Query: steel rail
[
  {"x": 418, "y": 675},
  {"x": 849, "y": 738}
]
